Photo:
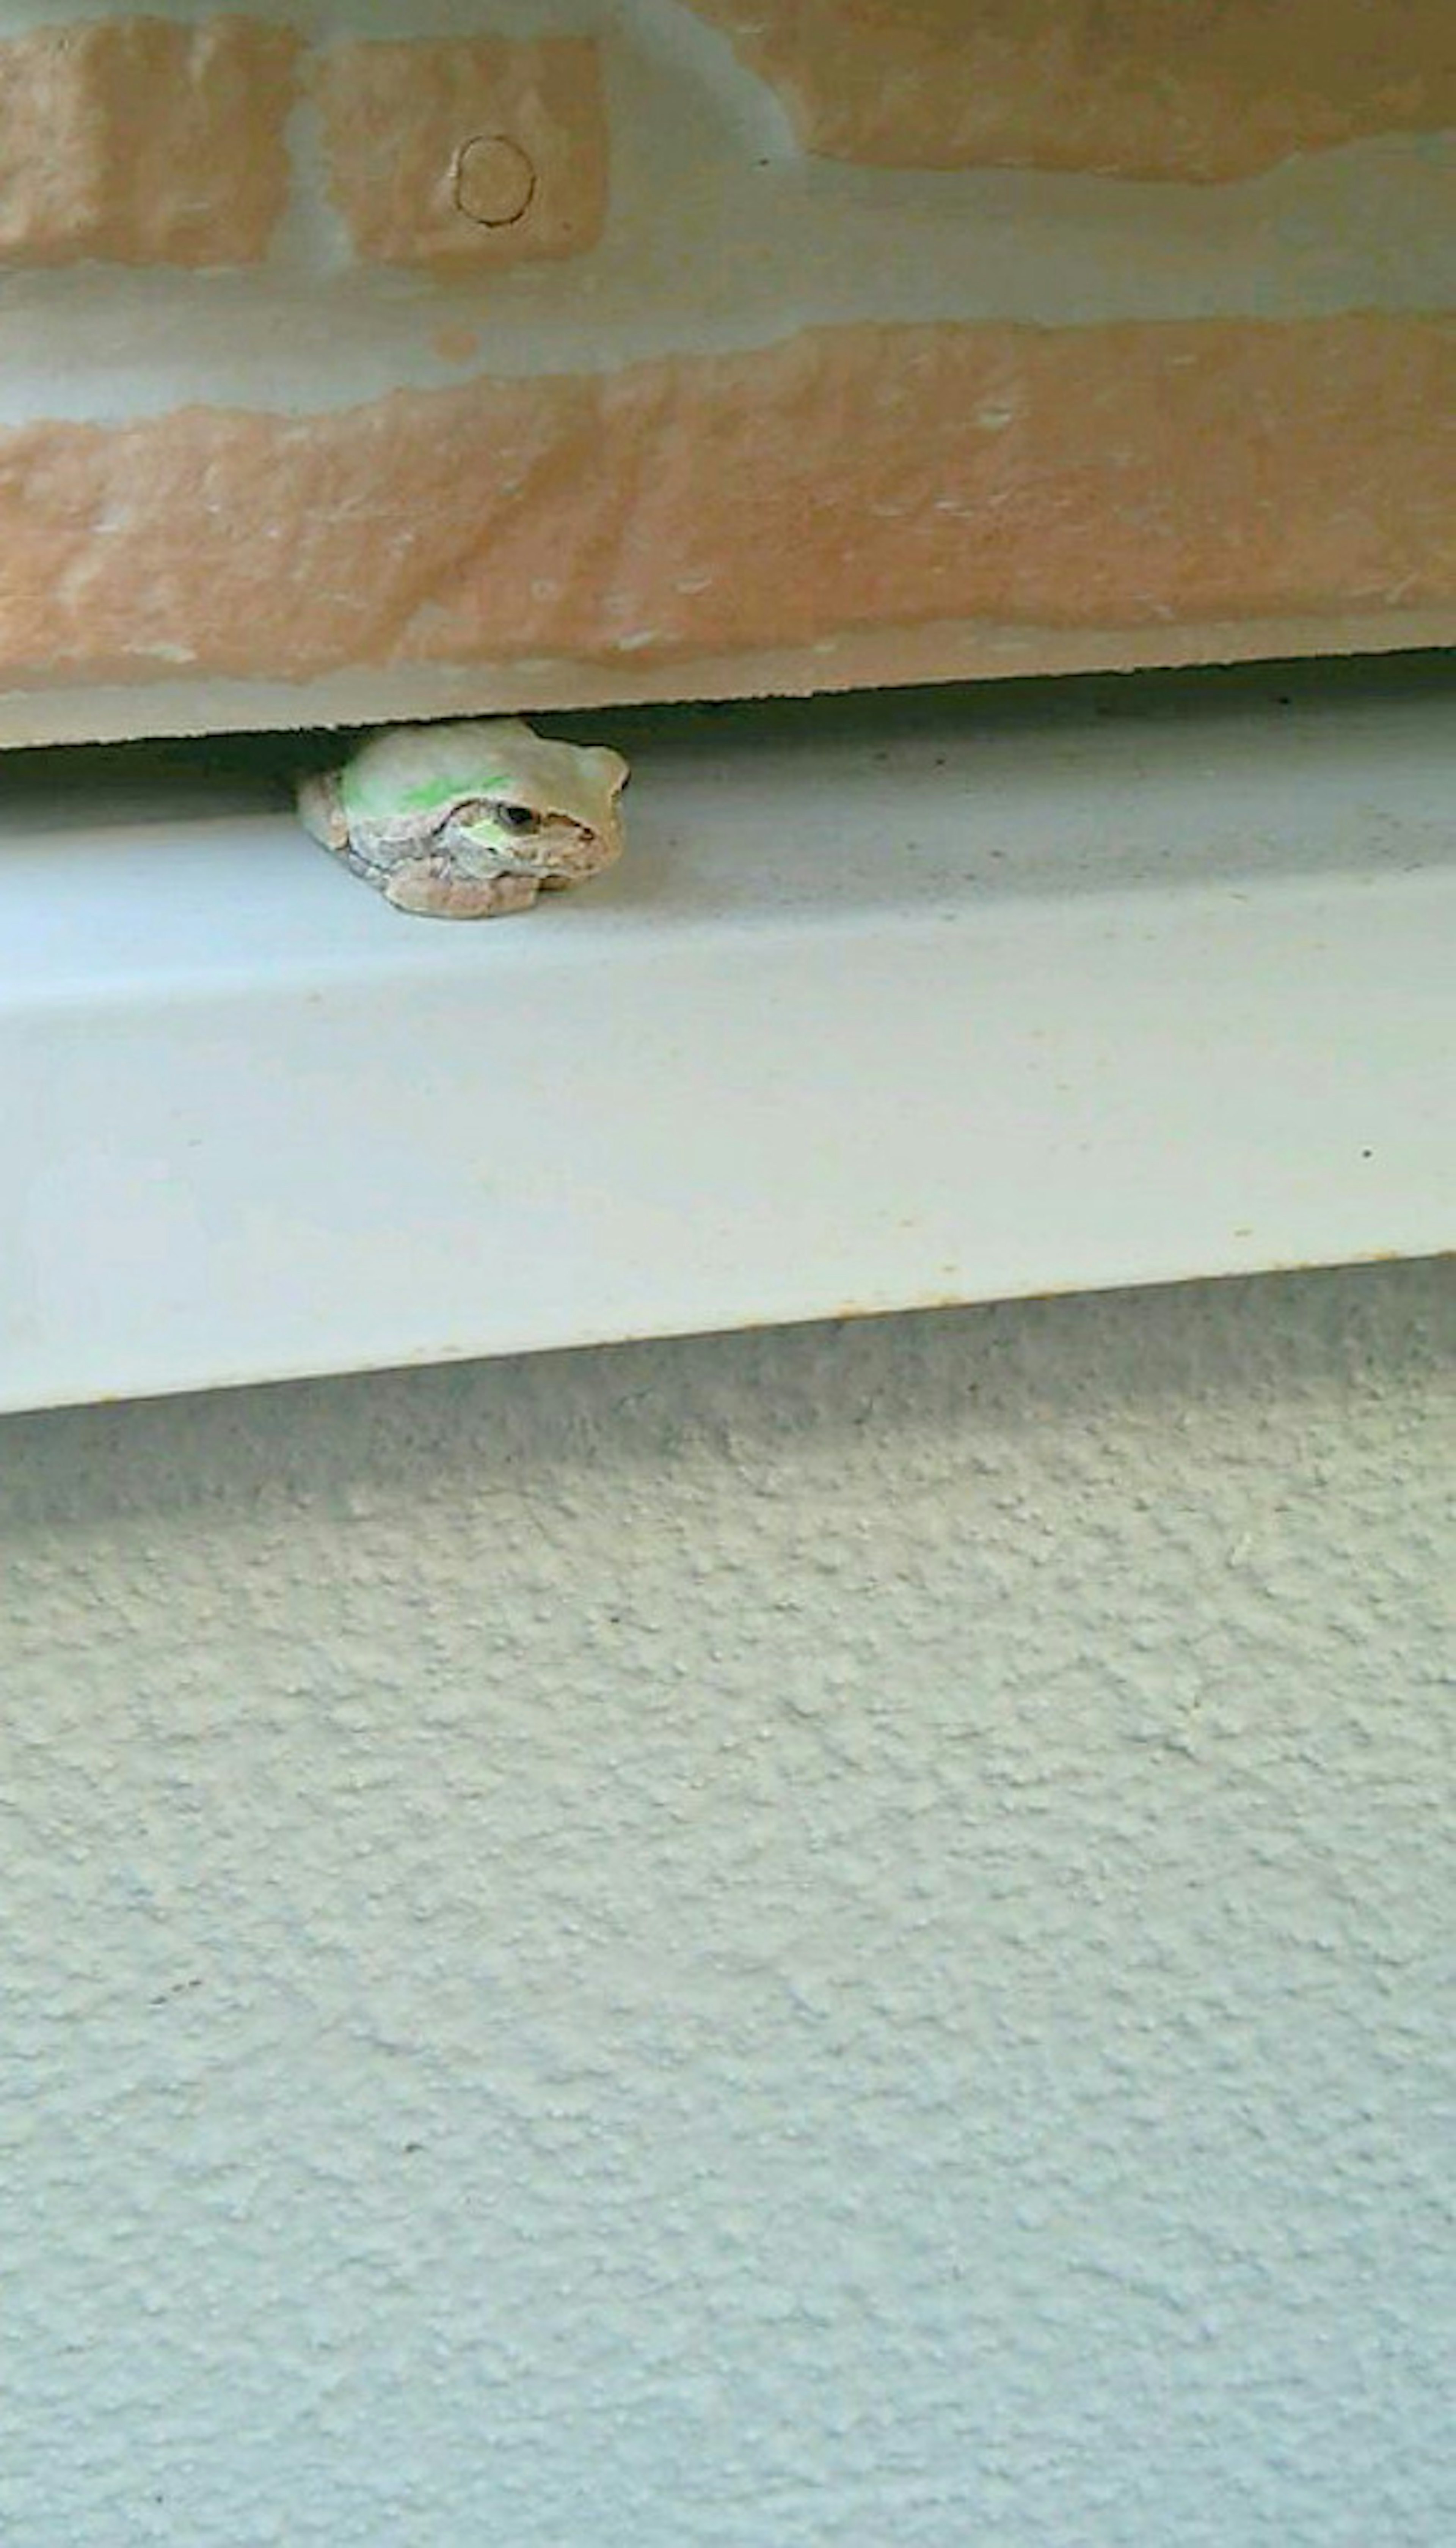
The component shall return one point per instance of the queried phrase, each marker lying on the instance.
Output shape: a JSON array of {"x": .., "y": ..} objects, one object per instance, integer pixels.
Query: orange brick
[
  {"x": 854, "y": 478},
  {"x": 1127, "y": 88},
  {"x": 466, "y": 154},
  {"x": 146, "y": 142}
]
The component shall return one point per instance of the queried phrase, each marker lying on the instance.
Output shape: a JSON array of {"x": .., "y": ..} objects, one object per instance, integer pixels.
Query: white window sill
[{"x": 893, "y": 1003}]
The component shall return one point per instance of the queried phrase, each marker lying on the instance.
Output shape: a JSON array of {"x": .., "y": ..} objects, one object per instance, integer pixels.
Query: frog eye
[{"x": 519, "y": 818}]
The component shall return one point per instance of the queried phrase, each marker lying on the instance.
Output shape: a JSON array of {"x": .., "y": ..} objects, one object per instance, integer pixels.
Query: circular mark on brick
[{"x": 494, "y": 181}]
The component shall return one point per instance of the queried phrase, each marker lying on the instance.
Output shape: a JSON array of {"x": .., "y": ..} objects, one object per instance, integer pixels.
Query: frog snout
[
  {"x": 570, "y": 849},
  {"x": 473, "y": 841},
  {"x": 473, "y": 845}
]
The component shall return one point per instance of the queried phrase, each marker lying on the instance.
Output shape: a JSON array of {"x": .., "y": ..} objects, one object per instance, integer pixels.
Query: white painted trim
[{"x": 891, "y": 1003}]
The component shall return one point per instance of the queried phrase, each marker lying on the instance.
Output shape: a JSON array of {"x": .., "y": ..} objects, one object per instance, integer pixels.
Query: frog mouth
[{"x": 469, "y": 833}]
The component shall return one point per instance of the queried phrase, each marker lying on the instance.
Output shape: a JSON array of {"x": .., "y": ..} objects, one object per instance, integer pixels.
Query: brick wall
[{"x": 527, "y": 354}]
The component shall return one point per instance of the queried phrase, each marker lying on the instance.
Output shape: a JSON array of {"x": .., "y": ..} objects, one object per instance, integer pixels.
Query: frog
[{"x": 469, "y": 821}]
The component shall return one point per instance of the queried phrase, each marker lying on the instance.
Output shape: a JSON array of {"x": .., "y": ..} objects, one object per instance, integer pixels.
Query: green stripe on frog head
[{"x": 389, "y": 803}]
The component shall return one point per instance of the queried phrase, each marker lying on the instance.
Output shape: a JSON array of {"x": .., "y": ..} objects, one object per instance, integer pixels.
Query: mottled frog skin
[{"x": 467, "y": 822}]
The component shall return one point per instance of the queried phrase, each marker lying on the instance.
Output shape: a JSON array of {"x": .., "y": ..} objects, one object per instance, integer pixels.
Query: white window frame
[{"x": 894, "y": 1002}]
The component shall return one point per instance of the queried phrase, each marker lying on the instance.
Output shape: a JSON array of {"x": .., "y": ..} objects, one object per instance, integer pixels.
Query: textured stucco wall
[{"x": 839, "y": 1938}]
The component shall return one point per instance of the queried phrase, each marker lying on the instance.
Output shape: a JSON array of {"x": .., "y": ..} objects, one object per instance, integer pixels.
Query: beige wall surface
[
  {"x": 836, "y": 1936},
  {"x": 358, "y": 359}
]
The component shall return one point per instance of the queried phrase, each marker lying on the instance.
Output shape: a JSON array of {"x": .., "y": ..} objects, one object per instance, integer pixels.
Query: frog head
[{"x": 487, "y": 799}]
